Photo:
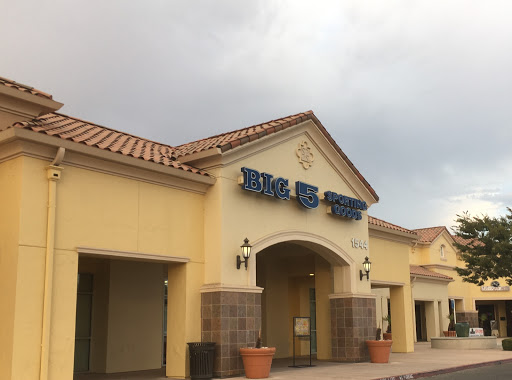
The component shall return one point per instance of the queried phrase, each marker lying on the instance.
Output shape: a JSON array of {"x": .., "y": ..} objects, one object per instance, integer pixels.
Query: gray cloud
[{"x": 416, "y": 93}]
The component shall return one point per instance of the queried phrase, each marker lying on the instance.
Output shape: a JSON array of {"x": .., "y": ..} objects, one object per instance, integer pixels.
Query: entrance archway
[
  {"x": 344, "y": 266},
  {"x": 299, "y": 272}
]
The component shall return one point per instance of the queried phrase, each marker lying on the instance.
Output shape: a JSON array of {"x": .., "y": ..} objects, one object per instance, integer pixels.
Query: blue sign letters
[
  {"x": 269, "y": 186},
  {"x": 345, "y": 206},
  {"x": 307, "y": 195},
  {"x": 252, "y": 180},
  {"x": 281, "y": 187}
]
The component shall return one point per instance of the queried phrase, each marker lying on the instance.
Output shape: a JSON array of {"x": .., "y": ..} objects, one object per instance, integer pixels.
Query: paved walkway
[
  {"x": 423, "y": 359},
  {"x": 424, "y": 362}
]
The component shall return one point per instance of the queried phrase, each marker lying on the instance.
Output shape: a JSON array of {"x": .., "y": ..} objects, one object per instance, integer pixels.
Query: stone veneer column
[
  {"x": 232, "y": 319},
  {"x": 353, "y": 321},
  {"x": 468, "y": 316}
]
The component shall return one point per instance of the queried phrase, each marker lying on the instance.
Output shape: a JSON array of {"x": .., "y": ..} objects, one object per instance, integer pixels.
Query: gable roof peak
[
  {"x": 230, "y": 140},
  {"x": 23, "y": 88},
  {"x": 429, "y": 234}
]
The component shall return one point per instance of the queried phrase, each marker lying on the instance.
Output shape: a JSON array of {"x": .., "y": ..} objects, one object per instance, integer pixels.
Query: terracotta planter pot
[
  {"x": 387, "y": 336},
  {"x": 379, "y": 350},
  {"x": 257, "y": 361},
  {"x": 450, "y": 333}
]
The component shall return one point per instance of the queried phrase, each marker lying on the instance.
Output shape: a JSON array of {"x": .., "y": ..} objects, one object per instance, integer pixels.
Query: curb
[{"x": 443, "y": 371}]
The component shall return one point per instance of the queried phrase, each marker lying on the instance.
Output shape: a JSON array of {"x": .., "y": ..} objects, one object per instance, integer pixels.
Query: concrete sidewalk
[{"x": 424, "y": 362}]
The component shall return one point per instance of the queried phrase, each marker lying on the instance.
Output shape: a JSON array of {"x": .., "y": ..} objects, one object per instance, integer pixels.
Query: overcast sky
[{"x": 417, "y": 94}]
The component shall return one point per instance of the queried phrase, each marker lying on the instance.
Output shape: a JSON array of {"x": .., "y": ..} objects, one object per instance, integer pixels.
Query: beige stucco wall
[
  {"x": 423, "y": 254},
  {"x": 93, "y": 209},
  {"x": 465, "y": 294},
  {"x": 390, "y": 268},
  {"x": 233, "y": 214},
  {"x": 435, "y": 296},
  {"x": 10, "y": 183},
  {"x": 135, "y": 316},
  {"x": 127, "y": 314}
]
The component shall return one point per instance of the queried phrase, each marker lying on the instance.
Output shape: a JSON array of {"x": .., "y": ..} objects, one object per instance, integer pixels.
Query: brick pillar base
[
  {"x": 468, "y": 316},
  {"x": 352, "y": 323},
  {"x": 231, "y": 319}
]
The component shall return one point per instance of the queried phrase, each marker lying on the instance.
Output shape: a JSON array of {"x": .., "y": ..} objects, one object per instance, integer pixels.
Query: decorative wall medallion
[{"x": 306, "y": 157}]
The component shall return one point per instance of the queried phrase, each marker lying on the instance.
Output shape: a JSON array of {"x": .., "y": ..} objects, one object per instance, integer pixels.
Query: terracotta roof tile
[
  {"x": 428, "y": 235},
  {"x": 420, "y": 271},
  {"x": 230, "y": 140},
  {"x": 463, "y": 241},
  {"x": 79, "y": 131},
  {"x": 233, "y": 139},
  {"x": 23, "y": 88},
  {"x": 382, "y": 223}
]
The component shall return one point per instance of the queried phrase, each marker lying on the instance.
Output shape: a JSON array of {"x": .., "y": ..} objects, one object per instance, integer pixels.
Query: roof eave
[
  {"x": 402, "y": 234},
  {"x": 25, "y": 106},
  {"x": 200, "y": 156},
  {"x": 431, "y": 278},
  {"x": 28, "y": 135}
]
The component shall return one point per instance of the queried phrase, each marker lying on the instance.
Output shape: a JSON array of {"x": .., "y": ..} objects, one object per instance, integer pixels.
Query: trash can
[
  {"x": 462, "y": 329},
  {"x": 201, "y": 359}
]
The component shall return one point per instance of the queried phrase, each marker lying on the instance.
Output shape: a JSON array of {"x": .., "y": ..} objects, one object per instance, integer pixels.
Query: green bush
[{"x": 507, "y": 344}]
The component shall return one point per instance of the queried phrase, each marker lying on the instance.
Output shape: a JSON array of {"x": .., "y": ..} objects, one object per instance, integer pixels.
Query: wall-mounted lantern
[
  {"x": 246, "y": 253},
  {"x": 367, "y": 265}
]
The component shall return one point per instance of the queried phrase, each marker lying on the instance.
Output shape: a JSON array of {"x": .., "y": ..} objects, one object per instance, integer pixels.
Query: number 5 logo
[{"x": 307, "y": 194}]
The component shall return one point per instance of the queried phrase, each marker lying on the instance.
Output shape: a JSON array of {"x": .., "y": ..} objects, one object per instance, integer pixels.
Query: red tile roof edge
[
  {"x": 382, "y": 223},
  {"x": 24, "y": 88},
  {"x": 278, "y": 125},
  {"x": 37, "y": 124},
  {"x": 275, "y": 126},
  {"x": 421, "y": 271}
]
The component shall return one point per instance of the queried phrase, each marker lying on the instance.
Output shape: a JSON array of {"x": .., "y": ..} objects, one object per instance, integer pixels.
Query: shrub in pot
[
  {"x": 451, "y": 327},
  {"x": 258, "y": 360},
  {"x": 379, "y": 349},
  {"x": 387, "y": 335}
]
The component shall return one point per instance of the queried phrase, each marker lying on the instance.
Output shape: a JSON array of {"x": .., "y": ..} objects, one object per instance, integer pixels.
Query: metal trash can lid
[{"x": 201, "y": 345}]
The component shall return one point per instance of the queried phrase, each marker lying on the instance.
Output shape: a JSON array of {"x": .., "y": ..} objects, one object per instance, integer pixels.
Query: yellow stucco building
[{"x": 115, "y": 251}]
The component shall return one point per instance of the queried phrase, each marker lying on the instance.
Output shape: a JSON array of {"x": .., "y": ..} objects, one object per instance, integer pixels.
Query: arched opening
[{"x": 298, "y": 276}]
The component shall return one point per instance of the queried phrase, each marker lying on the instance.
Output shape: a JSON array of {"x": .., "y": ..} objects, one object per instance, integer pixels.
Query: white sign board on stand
[{"x": 476, "y": 331}]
